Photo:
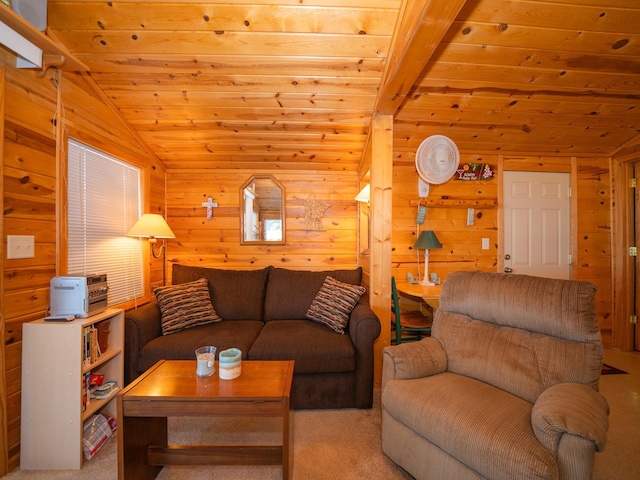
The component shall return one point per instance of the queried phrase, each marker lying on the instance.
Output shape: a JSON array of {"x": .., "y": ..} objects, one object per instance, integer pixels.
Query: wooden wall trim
[
  {"x": 4, "y": 451},
  {"x": 500, "y": 219},
  {"x": 61, "y": 179},
  {"x": 573, "y": 241},
  {"x": 622, "y": 335}
]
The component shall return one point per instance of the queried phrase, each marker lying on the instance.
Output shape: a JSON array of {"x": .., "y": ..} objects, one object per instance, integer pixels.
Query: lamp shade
[
  {"x": 427, "y": 240},
  {"x": 151, "y": 225},
  {"x": 364, "y": 194}
]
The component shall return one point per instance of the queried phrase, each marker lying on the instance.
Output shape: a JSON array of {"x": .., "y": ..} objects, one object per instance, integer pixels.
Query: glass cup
[{"x": 205, "y": 359}]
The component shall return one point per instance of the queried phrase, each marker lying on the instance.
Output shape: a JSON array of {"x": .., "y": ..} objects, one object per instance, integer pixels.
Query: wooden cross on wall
[{"x": 210, "y": 204}]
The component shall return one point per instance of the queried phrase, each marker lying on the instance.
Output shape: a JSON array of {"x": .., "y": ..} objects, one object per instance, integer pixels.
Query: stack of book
[{"x": 100, "y": 392}]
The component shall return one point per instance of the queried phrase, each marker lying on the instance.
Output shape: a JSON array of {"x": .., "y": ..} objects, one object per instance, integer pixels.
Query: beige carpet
[{"x": 328, "y": 444}]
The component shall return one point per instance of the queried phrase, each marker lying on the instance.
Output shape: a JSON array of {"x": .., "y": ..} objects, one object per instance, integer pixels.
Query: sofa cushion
[
  {"x": 498, "y": 443},
  {"x": 291, "y": 292},
  {"x": 236, "y": 294},
  {"x": 185, "y": 306},
  {"x": 333, "y": 304},
  {"x": 182, "y": 345},
  {"x": 315, "y": 348}
]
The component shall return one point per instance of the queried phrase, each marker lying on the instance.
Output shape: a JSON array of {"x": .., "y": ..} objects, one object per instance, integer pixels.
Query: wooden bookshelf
[{"x": 53, "y": 369}]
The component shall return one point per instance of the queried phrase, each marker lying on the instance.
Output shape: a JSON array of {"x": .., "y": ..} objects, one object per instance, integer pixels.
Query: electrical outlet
[
  {"x": 471, "y": 216},
  {"x": 20, "y": 246}
]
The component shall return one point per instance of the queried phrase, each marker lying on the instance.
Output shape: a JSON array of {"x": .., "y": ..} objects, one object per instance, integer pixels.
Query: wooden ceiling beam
[{"x": 417, "y": 36}]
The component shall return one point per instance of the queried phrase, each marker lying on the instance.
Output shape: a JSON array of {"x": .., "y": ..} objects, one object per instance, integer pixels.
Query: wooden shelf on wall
[{"x": 54, "y": 54}]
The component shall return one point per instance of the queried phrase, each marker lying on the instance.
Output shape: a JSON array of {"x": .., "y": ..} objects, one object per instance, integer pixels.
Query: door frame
[{"x": 622, "y": 334}]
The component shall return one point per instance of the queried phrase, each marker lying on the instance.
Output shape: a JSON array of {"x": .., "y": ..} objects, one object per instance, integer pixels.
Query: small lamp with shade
[{"x": 427, "y": 240}]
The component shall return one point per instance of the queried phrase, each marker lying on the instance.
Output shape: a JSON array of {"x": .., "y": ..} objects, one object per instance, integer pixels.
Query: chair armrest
[
  {"x": 570, "y": 408},
  {"x": 141, "y": 326},
  {"x": 413, "y": 360}
]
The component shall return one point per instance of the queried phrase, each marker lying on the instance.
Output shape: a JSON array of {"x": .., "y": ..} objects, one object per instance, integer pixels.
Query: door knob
[{"x": 508, "y": 270}]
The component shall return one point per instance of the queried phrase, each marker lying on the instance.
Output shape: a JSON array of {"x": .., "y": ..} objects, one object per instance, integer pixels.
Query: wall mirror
[{"x": 262, "y": 211}]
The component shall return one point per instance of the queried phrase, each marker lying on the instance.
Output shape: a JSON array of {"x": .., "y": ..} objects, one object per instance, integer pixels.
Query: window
[{"x": 103, "y": 203}]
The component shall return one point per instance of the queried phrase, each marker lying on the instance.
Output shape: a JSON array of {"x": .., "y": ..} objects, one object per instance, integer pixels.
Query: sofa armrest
[
  {"x": 363, "y": 328},
  {"x": 573, "y": 409},
  {"x": 413, "y": 360},
  {"x": 364, "y": 324},
  {"x": 141, "y": 326}
]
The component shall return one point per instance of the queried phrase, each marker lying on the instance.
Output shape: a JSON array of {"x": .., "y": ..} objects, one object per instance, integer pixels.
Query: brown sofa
[
  {"x": 263, "y": 314},
  {"x": 506, "y": 387}
]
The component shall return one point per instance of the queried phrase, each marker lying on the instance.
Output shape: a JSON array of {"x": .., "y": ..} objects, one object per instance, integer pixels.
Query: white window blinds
[{"x": 103, "y": 204}]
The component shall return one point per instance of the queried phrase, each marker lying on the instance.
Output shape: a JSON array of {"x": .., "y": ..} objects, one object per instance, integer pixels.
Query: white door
[{"x": 537, "y": 224}]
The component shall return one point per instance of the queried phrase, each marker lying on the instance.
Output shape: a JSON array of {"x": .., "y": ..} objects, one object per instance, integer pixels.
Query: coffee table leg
[
  {"x": 287, "y": 442},
  {"x": 135, "y": 434}
]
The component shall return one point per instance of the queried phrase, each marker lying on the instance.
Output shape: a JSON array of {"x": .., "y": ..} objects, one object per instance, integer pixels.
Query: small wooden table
[
  {"x": 170, "y": 388},
  {"x": 430, "y": 294}
]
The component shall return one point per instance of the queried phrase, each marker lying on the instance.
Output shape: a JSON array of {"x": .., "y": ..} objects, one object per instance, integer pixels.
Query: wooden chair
[{"x": 413, "y": 323}]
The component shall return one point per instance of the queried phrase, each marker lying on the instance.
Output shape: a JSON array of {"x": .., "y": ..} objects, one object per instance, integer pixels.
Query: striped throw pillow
[
  {"x": 185, "y": 305},
  {"x": 333, "y": 304}
]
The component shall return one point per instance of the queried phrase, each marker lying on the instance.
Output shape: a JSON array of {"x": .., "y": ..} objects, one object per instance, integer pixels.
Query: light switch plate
[
  {"x": 20, "y": 246},
  {"x": 485, "y": 244}
]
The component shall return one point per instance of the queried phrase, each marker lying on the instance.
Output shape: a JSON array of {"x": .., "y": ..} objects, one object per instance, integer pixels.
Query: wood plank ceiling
[{"x": 279, "y": 84}]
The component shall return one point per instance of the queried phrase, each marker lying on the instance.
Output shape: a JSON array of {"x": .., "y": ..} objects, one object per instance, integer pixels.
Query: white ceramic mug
[{"x": 230, "y": 364}]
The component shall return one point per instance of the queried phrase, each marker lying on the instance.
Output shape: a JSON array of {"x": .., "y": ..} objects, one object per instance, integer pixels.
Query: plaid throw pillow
[
  {"x": 185, "y": 305},
  {"x": 333, "y": 304}
]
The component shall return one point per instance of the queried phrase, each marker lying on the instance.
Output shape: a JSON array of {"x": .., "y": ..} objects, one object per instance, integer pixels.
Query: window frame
[{"x": 61, "y": 247}]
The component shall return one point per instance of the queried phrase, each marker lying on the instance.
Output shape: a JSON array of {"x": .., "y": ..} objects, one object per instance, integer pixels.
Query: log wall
[
  {"x": 37, "y": 115},
  {"x": 29, "y": 208},
  {"x": 216, "y": 242}
]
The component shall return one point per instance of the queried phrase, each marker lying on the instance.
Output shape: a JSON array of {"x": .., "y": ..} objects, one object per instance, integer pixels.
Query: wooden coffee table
[{"x": 170, "y": 388}]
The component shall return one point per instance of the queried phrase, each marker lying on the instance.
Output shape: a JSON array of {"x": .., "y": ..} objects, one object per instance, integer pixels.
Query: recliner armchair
[{"x": 506, "y": 387}]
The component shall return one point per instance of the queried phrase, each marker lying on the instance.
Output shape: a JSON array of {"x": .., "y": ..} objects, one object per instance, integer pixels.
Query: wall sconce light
[
  {"x": 427, "y": 240},
  {"x": 365, "y": 194},
  {"x": 151, "y": 226},
  {"x": 364, "y": 197}
]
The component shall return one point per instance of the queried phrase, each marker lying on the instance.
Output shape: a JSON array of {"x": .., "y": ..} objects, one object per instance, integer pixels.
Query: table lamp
[{"x": 427, "y": 240}]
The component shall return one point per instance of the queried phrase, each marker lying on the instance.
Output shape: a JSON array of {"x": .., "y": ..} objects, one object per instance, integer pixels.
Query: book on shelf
[
  {"x": 85, "y": 393},
  {"x": 91, "y": 351}
]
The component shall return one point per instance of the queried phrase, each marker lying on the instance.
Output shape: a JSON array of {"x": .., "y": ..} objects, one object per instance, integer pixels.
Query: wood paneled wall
[
  {"x": 447, "y": 213},
  {"x": 39, "y": 113},
  {"x": 29, "y": 208},
  {"x": 593, "y": 193},
  {"x": 216, "y": 242},
  {"x": 447, "y": 206}
]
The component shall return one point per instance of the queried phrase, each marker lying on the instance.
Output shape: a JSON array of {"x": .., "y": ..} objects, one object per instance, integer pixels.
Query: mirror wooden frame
[{"x": 249, "y": 198}]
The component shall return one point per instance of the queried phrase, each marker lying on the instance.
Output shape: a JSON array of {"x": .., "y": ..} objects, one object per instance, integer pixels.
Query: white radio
[{"x": 81, "y": 296}]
